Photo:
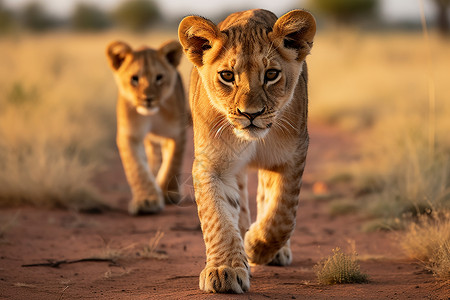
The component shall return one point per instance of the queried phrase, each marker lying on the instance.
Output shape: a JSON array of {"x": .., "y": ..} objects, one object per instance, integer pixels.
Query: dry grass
[
  {"x": 440, "y": 262},
  {"x": 57, "y": 121},
  {"x": 339, "y": 268},
  {"x": 111, "y": 251},
  {"x": 358, "y": 79},
  {"x": 57, "y": 113},
  {"x": 376, "y": 86},
  {"x": 57, "y": 116},
  {"x": 428, "y": 240},
  {"x": 24, "y": 285},
  {"x": 150, "y": 250},
  {"x": 410, "y": 180},
  {"x": 391, "y": 91}
]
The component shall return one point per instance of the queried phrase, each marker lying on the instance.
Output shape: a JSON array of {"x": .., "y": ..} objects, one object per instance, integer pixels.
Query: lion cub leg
[
  {"x": 244, "y": 214},
  {"x": 284, "y": 255},
  {"x": 169, "y": 173},
  {"x": 147, "y": 196},
  {"x": 153, "y": 152},
  {"x": 267, "y": 240},
  {"x": 226, "y": 270}
]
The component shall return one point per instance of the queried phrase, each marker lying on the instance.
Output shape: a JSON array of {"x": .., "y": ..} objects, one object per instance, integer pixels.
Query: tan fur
[
  {"x": 151, "y": 121},
  {"x": 248, "y": 44}
]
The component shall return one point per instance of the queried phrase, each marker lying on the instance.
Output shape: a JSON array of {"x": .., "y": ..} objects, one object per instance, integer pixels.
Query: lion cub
[
  {"x": 151, "y": 121},
  {"x": 249, "y": 103}
]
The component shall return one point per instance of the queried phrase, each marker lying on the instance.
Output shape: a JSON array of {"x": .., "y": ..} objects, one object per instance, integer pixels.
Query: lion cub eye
[
  {"x": 134, "y": 80},
  {"x": 159, "y": 78},
  {"x": 271, "y": 75},
  {"x": 227, "y": 76}
]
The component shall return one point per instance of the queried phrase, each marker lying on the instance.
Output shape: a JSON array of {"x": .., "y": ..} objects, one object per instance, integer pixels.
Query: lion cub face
[
  {"x": 250, "y": 69},
  {"x": 145, "y": 77},
  {"x": 251, "y": 84}
]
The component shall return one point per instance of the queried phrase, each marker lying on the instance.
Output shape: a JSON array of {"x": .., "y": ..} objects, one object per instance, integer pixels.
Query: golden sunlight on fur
[
  {"x": 249, "y": 104},
  {"x": 151, "y": 121}
]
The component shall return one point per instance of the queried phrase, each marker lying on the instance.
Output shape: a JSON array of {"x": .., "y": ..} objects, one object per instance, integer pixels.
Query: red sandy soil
[{"x": 38, "y": 235}]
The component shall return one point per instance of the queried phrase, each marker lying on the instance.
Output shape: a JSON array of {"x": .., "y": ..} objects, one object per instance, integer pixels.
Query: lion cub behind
[{"x": 151, "y": 119}]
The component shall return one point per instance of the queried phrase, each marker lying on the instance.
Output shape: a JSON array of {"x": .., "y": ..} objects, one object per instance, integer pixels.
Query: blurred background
[
  {"x": 43, "y": 15},
  {"x": 378, "y": 75}
]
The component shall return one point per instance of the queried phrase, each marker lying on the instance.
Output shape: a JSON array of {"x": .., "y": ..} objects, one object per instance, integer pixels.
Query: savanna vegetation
[
  {"x": 57, "y": 117},
  {"x": 388, "y": 90}
]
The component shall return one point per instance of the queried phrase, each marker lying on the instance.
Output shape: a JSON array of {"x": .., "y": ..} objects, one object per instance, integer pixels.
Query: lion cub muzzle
[
  {"x": 147, "y": 106},
  {"x": 250, "y": 124},
  {"x": 251, "y": 116}
]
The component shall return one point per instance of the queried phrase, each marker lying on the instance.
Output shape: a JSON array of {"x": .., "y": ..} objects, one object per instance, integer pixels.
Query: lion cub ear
[
  {"x": 200, "y": 39},
  {"x": 294, "y": 31},
  {"x": 117, "y": 52},
  {"x": 171, "y": 51}
]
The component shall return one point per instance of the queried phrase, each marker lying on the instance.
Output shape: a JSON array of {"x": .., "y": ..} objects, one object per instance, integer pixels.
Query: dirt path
[{"x": 38, "y": 235}]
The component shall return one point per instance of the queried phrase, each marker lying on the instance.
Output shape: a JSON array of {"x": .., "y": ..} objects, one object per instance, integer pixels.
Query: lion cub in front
[
  {"x": 249, "y": 103},
  {"x": 151, "y": 119}
]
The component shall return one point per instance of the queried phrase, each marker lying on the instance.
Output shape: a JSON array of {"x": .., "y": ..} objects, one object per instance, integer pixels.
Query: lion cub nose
[
  {"x": 251, "y": 116},
  {"x": 148, "y": 101}
]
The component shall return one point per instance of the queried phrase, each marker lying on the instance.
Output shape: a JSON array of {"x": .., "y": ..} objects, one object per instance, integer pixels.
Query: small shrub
[{"x": 339, "y": 268}]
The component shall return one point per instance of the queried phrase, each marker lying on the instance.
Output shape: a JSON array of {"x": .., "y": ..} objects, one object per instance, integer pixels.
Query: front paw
[
  {"x": 148, "y": 205},
  {"x": 283, "y": 257},
  {"x": 258, "y": 250},
  {"x": 224, "y": 279}
]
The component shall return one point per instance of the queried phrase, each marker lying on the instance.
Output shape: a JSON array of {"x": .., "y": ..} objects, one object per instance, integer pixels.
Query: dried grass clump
[
  {"x": 439, "y": 263},
  {"x": 428, "y": 240},
  {"x": 339, "y": 268}
]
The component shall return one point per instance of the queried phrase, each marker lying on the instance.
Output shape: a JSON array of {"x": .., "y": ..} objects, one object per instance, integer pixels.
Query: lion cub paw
[
  {"x": 224, "y": 279},
  {"x": 172, "y": 197},
  {"x": 150, "y": 205},
  {"x": 283, "y": 257}
]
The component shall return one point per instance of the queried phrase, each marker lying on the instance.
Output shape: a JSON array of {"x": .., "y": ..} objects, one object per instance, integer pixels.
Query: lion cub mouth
[
  {"x": 251, "y": 132},
  {"x": 147, "y": 107},
  {"x": 147, "y": 111}
]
